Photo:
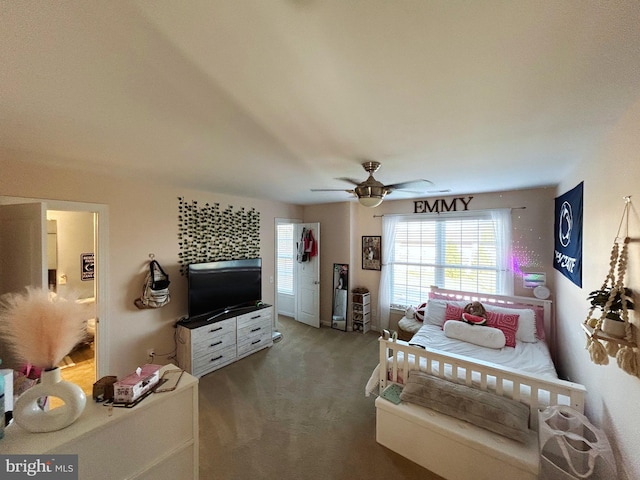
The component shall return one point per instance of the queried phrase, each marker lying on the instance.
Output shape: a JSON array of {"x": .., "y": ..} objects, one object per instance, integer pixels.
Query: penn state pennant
[{"x": 568, "y": 234}]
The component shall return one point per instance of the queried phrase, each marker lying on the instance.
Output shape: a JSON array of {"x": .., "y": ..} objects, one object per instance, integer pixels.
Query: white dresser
[
  {"x": 206, "y": 346},
  {"x": 156, "y": 439}
]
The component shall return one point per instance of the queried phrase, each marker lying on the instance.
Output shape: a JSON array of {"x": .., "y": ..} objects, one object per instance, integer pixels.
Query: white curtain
[
  {"x": 384, "y": 295},
  {"x": 502, "y": 225}
]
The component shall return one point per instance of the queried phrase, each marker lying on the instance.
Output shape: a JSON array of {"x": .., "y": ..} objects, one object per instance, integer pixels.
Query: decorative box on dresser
[
  {"x": 157, "y": 439},
  {"x": 205, "y": 346}
]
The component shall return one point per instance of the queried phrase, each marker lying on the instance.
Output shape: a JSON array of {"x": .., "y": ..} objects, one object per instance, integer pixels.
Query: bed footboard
[
  {"x": 437, "y": 441},
  {"x": 452, "y": 448}
]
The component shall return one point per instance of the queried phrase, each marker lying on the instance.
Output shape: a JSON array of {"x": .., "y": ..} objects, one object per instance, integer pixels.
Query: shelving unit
[
  {"x": 361, "y": 312},
  {"x": 600, "y": 335}
]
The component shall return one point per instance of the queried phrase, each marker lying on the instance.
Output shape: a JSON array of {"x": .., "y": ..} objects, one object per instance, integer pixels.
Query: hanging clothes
[
  {"x": 306, "y": 247},
  {"x": 311, "y": 246},
  {"x": 301, "y": 247}
]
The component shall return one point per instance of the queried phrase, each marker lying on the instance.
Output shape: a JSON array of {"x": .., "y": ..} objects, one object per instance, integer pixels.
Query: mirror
[{"x": 340, "y": 296}]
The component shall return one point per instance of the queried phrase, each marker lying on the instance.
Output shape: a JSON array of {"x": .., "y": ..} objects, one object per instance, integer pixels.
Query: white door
[
  {"x": 308, "y": 278},
  {"x": 23, "y": 246}
]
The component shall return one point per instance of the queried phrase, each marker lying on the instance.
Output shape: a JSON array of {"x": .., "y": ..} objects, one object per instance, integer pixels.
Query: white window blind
[
  {"x": 466, "y": 252},
  {"x": 286, "y": 254}
]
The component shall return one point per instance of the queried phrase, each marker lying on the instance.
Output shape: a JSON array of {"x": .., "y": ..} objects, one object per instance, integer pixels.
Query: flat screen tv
[{"x": 223, "y": 286}]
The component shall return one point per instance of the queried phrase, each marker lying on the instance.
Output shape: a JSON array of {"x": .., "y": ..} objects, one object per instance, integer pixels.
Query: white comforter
[{"x": 533, "y": 358}]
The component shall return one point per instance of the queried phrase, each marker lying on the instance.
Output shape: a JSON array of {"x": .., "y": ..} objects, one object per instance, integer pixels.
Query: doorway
[
  {"x": 297, "y": 280},
  {"x": 66, "y": 272},
  {"x": 71, "y": 242}
]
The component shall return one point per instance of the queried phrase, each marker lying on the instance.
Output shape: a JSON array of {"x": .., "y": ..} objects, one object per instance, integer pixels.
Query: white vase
[
  {"x": 29, "y": 415},
  {"x": 614, "y": 328}
]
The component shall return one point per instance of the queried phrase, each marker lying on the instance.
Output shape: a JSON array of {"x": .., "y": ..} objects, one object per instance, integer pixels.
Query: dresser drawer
[
  {"x": 255, "y": 342},
  {"x": 213, "y": 330},
  {"x": 213, "y": 343},
  {"x": 253, "y": 317},
  {"x": 255, "y": 328},
  {"x": 204, "y": 363}
]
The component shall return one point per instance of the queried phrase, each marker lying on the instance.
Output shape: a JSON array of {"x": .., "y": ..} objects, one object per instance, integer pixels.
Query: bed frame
[{"x": 452, "y": 448}]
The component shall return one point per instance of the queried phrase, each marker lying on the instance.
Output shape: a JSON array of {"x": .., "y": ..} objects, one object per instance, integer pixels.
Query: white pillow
[
  {"x": 526, "y": 323},
  {"x": 435, "y": 311},
  {"x": 476, "y": 334}
]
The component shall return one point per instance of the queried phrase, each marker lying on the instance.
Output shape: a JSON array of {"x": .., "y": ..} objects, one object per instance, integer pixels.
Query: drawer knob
[
  {"x": 255, "y": 341},
  {"x": 256, "y": 329},
  {"x": 217, "y": 358},
  {"x": 215, "y": 329},
  {"x": 217, "y": 343}
]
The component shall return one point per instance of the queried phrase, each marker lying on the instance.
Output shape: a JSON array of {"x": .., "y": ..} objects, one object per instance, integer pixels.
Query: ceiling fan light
[{"x": 370, "y": 202}]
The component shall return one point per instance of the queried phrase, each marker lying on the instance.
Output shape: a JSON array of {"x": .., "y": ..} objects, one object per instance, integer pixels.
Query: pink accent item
[
  {"x": 453, "y": 312},
  {"x": 507, "y": 323},
  {"x": 538, "y": 310},
  {"x": 473, "y": 319}
]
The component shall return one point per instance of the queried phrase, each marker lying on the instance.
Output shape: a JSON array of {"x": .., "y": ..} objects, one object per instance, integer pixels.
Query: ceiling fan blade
[
  {"x": 420, "y": 192},
  {"x": 350, "y": 180},
  {"x": 412, "y": 183},
  {"x": 331, "y": 190}
]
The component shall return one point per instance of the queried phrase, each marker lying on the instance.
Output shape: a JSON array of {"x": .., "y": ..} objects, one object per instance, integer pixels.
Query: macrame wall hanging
[
  {"x": 615, "y": 301},
  {"x": 208, "y": 234}
]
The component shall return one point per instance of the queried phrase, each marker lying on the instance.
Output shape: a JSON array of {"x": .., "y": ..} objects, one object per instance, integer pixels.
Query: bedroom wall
[
  {"x": 532, "y": 232},
  {"x": 142, "y": 219},
  {"x": 335, "y": 240},
  {"x": 609, "y": 174}
]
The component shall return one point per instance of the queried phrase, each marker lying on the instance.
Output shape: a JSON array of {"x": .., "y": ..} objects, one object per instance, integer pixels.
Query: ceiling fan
[{"x": 371, "y": 192}]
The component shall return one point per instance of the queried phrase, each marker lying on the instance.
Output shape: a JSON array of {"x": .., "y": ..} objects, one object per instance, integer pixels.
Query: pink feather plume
[{"x": 41, "y": 326}]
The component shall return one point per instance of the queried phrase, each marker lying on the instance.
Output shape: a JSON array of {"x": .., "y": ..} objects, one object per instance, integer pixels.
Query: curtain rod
[{"x": 439, "y": 213}]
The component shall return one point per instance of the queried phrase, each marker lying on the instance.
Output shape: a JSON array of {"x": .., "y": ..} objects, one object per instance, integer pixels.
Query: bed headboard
[{"x": 505, "y": 300}]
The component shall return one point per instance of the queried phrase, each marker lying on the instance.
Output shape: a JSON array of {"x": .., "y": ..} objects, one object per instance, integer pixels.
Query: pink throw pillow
[
  {"x": 506, "y": 322},
  {"x": 453, "y": 312}
]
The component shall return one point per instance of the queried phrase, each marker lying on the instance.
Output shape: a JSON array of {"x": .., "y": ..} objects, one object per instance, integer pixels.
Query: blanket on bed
[{"x": 533, "y": 358}]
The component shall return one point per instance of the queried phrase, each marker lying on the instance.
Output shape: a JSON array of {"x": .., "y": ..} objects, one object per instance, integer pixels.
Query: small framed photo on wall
[{"x": 371, "y": 252}]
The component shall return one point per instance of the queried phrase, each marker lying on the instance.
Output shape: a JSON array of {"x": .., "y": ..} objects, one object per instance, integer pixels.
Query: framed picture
[{"x": 371, "y": 252}]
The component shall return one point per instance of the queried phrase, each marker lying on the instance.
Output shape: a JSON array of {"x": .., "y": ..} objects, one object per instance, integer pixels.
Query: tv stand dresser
[{"x": 204, "y": 346}]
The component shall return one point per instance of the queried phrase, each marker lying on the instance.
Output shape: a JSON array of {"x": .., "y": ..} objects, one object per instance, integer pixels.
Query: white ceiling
[{"x": 269, "y": 98}]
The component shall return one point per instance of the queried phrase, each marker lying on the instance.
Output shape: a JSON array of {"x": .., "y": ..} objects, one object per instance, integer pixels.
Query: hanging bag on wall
[{"x": 155, "y": 291}]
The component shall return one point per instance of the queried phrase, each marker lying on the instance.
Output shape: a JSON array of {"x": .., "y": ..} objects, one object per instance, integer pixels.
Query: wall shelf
[{"x": 600, "y": 335}]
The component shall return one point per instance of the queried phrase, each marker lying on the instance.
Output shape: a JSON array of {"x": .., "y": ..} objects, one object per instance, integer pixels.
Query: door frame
[
  {"x": 101, "y": 247},
  {"x": 283, "y": 221}
]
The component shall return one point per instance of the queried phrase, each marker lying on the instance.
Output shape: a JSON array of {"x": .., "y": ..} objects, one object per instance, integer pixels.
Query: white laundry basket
[{"x": 572, "y": 448}]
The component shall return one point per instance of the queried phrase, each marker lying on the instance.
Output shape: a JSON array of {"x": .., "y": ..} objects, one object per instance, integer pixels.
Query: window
[
  {"x": 466, "y": 252},
  {"x": 285, "y": 258}
]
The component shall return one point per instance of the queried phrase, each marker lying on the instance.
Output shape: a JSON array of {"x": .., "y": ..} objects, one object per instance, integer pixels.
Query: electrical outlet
[{"x": 151, "y": 353}]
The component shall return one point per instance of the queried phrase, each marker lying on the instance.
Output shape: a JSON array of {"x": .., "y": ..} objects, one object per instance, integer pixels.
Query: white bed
[{"x": 453, "y": 448}]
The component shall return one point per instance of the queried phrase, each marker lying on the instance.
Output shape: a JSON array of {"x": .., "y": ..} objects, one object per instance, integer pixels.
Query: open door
[
  {"x": 308, "y": 278},
  {"x": 23, "y": 246}
]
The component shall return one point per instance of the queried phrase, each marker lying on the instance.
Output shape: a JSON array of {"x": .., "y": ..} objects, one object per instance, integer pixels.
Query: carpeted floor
[{"x": 297, "y": 411}]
